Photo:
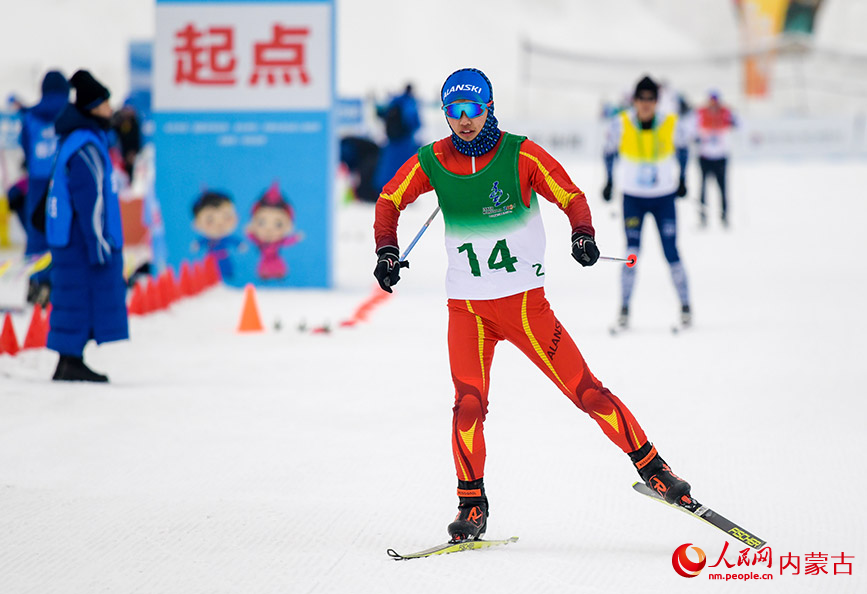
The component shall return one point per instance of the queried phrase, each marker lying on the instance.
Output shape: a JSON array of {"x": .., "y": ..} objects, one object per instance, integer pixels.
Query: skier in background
[
  {"x": 39, "y": 143},
  {"x": 650, "y": 148},
  {"x": 715, "y": 123},
  {"x": 486, "y": 183},
  {"x": 401, "y": 119}
]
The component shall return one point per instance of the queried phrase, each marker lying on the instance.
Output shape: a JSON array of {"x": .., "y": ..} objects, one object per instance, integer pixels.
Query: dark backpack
[{"x": 37, "y": 219}]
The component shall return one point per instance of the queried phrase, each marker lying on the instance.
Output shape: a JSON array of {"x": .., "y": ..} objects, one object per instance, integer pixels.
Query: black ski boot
[
  {"x": 685, "y": 316},
  {"x": 73, "y": 369},
  {"x": 472, "y": 519},
  {"x": 657, "y": 475},
  {"x": 623, "y": 318}
]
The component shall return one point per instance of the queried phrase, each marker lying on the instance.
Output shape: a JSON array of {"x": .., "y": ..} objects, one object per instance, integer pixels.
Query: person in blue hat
[
  {"x": 401, "y": 118},
  {"x": 83, "y": 230},
  {"x": 39, "y": 143},
  {"x": 488, "y": 183}
]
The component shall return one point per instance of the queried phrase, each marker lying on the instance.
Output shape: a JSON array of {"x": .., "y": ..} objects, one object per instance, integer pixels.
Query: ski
[
  {"x": 617, "y": 328},
  {"x": 451, "y": 547},
  {"x": 702, "y": 512},
  {"x": 678, "y": 327}
]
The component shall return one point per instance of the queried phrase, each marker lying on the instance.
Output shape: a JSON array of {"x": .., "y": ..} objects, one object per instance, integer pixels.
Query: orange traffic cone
[
  {"x": 8, "y": 340},
  {"x": 250, "y": 319},
  {"x": 37, "y": 333},
  {"x": 137, "y": 301},
  {"x": 152, "y": 297},
  {"x": 167, "y": 292},
  {"x": 199, "y": 281},
  {"x": 172, "y": 283},
  {"x": 187, "y": 287},
  {"x": 212, "y": 270}
]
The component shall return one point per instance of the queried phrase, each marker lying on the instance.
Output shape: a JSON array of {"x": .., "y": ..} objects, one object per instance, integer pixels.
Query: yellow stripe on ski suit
[
  {"x": 561, "y": 195},
  {"x": 535, "y": 343},
  {"x": 481, "y": 329},
  {"x": 463, "y": 470},
  {"x": 611, "y": 419},
  {"x": 397, "y": 197}
]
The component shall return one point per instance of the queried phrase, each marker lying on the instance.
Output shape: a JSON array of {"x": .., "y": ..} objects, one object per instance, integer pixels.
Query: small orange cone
[
  {"x": 250, "y": 319},
  {"x": 212, "y": 270},
  {"x": 187, "y": 287},
  {"x": 37, "y": 333},
  {"x": 199, "y": 281},
  {"x": 137, "y": 301},
  {"x": 172, "y": 282},
  {"x": 8, "y": 340},
  {"x": 167, "y": 292},
  {"x": 150, "y": 298},
  {"x": 153, "y": 299}
]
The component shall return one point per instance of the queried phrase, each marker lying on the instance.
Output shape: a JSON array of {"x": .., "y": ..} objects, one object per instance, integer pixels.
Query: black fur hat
[
  {"x": 649, "y": 85},
  {"x": 89, "y": 92}
]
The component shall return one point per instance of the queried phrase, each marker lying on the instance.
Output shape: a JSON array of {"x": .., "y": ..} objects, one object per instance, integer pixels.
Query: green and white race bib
[{"x": 495, "y": 244}]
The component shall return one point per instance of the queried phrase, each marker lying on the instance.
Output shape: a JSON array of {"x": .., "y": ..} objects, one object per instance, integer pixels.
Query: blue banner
[
  {"x": 141, "y": 77},
  {"x": 245, "y": 150}
]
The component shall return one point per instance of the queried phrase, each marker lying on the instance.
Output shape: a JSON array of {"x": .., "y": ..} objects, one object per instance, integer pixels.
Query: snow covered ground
[{"x": 285, "y": 462}]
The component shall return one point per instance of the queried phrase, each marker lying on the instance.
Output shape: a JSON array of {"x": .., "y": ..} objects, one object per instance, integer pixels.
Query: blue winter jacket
[
  {"x": 398, "y": 150},
  {"x": 83, "y": 229},
  {"x": 39, "y": 143}
]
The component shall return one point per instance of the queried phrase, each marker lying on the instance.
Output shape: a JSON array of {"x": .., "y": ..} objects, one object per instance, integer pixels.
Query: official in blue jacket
[
  {"x": 84, "y": 233},
  {"x": 402, "y": 121},
  {"x": 39, "y": 143}
]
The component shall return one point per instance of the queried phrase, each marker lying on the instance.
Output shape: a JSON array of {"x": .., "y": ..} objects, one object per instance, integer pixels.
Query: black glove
[
  {"x": 388, "y": 265},
  {"x": 681, "y": 189},
  {"x": 606, "y": 192},
  {"x": 584, "y": 249}
]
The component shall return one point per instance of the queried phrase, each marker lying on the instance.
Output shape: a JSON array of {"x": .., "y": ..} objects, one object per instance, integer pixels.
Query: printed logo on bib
[
  {"x": 499, "y": 199},
  {"x": 648, "y": 176}
]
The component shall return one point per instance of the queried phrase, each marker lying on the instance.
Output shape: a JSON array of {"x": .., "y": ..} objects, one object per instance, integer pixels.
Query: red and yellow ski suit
[{"x": 524, "y": 318}]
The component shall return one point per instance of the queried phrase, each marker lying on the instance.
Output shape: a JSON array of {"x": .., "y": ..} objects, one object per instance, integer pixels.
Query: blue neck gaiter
[{"x": 485, "y": 141}]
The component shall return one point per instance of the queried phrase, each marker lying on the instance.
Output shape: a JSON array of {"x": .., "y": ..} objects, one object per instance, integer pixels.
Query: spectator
[
  {"x": 83, "y": 229},
  {"x": 361, "y": 155},
  {"x": 39, "y": 143},
  {"x": 126, "y": 126},
  {"x": 401, "y": 119}
]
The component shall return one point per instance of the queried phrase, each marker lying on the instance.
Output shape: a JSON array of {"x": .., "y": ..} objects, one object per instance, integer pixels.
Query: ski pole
[
  {"x": 377, "y": 297},
  {"x": 402, "y": 262},
  {"x": 630, "y": 261},
  {"x": 420, "y": 233}
]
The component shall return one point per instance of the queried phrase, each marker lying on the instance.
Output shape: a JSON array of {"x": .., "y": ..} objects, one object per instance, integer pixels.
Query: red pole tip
[{"x": 630, "y": 262}]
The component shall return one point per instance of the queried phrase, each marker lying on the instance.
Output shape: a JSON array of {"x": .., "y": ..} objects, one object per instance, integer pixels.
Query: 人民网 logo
[{"x": 683, "y": 565}]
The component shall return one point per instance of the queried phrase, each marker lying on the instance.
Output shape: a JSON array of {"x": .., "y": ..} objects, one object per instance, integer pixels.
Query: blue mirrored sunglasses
[{"x": 472, "y": 110}]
